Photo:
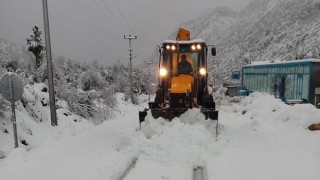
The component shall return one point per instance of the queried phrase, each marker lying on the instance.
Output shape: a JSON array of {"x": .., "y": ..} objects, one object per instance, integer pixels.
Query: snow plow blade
[
  {"x": 166, "y": 113},
  {"x": 170, "y": 113}
]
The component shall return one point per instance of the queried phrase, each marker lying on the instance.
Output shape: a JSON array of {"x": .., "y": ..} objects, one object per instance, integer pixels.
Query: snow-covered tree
[
  {"x": 2, "y": 106},
  {"x": 90, "y": 80},
  {"x": 35, "y": 45},
  {"x": 4, "y": 59}
]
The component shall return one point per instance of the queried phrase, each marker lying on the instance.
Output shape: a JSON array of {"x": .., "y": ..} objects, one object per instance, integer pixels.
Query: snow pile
[
  {"x": 263, "y": 138},
  {"x": 33, "y": 120},
  {"x": 221, "y": 99},
  {"x": 179, "y": 141},
  {"x": 259, "y": 138},
  {"x": 263, "y": 107}
]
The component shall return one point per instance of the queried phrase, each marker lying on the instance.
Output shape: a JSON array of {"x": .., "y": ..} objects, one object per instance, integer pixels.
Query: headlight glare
[
  {"x": 173, "y": 47},
  {"x": 163, "y": 72},
  {"x": 202, "y": 71},
  {"x": 193, "y": 47},
  {"x": 198, "y": 46}
]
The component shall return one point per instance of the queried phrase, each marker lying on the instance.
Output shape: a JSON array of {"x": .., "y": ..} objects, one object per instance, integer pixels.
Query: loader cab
[
  {"x": 194, "y": 51},
  {"x": 176, "y": 83}
]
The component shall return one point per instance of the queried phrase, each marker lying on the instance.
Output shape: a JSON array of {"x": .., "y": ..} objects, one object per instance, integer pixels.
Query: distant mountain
[{"x": 264, "y": 30}]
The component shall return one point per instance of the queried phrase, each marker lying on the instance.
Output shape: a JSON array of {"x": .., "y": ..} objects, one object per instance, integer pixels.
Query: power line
[
  {"x": 93, "y": 20},
  {"x": 109, "y": 10},
  {"x": 115, "y": 25},
  {"x": 96, "y": 16},
  {"x": 90, "y": 14},
  {"x": 121, "y": 14},
  {"x": 96, "y": 26},
  {"x": 93, "y": 25}
]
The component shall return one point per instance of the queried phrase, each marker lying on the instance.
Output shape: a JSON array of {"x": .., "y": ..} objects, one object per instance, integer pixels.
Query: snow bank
[
  {"x": 33, "y": 120},
  {"x": 259, "y": 138},
  {"x": 264, "y": 107},
  {"x": 263, "y": 138}
]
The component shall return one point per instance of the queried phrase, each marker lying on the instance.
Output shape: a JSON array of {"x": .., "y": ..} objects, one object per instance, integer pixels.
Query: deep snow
[{"x": 259, "y": 138}]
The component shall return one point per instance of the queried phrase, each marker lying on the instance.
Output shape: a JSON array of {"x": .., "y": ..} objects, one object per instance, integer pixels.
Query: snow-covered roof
[
  {"x": 255, "y": 63},
  {"x": 185, "y": 42}
]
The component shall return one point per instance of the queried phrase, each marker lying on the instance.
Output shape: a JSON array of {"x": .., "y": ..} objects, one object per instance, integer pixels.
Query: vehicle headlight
[
  {"x": 163, "y": 72},
  {"x": 168, "y": 47},
  {"x": 193, "y": 47},
  {"x": 203, "y": 71},
  {"x": 173, "y": 47},
  {"x": 199, "y": 46}
]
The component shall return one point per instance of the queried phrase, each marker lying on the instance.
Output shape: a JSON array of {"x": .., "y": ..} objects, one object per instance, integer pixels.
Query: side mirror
[
  {"x": 159, "y": 48},
  {"x": 213, "y": 51}
]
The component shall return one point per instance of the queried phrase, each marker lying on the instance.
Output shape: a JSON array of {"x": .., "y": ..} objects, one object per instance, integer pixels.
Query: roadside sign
[
  {"x": 16, "y": 85},
  {"x": 11, "y": 88}
]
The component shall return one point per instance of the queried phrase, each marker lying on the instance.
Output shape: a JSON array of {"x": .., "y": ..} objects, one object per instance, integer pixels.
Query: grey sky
[{"x": 86, "y": 30}]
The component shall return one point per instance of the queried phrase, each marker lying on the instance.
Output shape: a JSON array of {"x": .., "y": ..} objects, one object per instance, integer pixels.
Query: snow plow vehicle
[{"x": 183, "y": 77}]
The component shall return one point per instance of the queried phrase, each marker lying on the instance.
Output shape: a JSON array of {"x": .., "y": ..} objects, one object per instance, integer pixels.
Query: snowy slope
[
  {"x": 260, "y": 138},
  {"x": 33, "y": 120},
  {"x": 264, "y": 30}
]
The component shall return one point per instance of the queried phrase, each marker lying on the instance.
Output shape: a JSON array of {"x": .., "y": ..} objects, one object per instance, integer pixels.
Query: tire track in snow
[
  {"x": 129, "y": 168},
  {"x": 198, "y": 173},
  {"x": 144, "y": 169},
  {"x": 169, "y": 150}
]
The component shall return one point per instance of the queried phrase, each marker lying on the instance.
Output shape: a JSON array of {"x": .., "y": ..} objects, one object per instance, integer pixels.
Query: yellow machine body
[
  {"x": 183, "y": 35},
  {"x": 181, "y": 90},
  {"x": 181, "y": 84}
]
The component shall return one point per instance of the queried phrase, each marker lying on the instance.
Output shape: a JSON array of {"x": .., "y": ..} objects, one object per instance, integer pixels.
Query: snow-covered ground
[{"x": 259, "y": 138}]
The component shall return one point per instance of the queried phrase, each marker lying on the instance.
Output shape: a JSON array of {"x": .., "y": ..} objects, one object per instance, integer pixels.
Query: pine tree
[{"x": 35, "y": 45}]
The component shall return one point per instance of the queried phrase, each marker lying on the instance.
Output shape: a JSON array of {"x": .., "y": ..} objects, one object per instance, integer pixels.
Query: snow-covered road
[
  {"x": 149, "y": 169},
  {"x": 260, "y": 138}
]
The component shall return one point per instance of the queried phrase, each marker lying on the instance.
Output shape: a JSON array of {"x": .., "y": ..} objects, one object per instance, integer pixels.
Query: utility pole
[
  {"x": 53, "y": 112},
  {"x": 130, "y": 57}
]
